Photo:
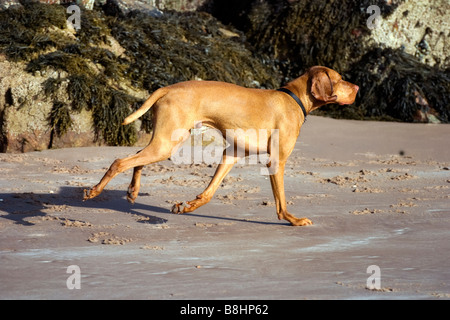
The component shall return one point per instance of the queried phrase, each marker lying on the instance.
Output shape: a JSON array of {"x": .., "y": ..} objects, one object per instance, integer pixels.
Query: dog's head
[{"x": 327, "y": 86}]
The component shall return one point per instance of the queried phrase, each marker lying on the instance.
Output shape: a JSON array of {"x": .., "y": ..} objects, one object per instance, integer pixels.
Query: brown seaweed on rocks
[
  {"x": 299, "y": 34},
  {"x": 156, "y": 52},
  {"x": 23, "y": 30},
  {"x": 397, "y": 86},
  {"x": 187, "y": 46},
  {"x": 101, "y": 67},
  {"x": 59, "y": 119}
]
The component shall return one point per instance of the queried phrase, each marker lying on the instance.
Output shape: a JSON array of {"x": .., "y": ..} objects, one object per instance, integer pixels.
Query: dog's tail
[{"x": 158, "y": 94}]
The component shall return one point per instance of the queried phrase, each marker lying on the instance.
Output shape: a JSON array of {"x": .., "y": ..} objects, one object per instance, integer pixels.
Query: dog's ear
[{"x": 322, "y": 87}]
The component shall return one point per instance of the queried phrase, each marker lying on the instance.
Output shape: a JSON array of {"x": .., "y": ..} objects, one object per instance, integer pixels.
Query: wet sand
[{"x": 378, "y": 194}]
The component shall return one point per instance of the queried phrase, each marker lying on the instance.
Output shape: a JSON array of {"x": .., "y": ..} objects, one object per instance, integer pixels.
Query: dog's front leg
[
  {"x": 135, "y": 184},
  {"x": 203, "y": 198},
  {"x": 277, "y": 182}
]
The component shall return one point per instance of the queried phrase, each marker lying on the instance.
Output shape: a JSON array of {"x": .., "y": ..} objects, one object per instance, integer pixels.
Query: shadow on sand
[{"x": 19, "y": 207}]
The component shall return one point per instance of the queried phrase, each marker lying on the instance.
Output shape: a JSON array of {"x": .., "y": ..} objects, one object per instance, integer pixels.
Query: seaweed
[
  {"x": 95, "y": 28},
  {"x": 401, "y": 87},
  {"x": 301, "y": 34},
  {"x": 23, "y": 29},
  {"x": 394, "y": 85},
  {"x": 159, "y": 51},
  {"x": 187, "y": 46},
  {"x": 59, "y": 120},
  {"x": 51, "y": 87},
  {"x": 113, "y": 67},
  {"x": 116, "y": 110},
  {"x": 79, "y": 91},
  {"x": 32, "y": 34},
  {"x": 62, "y": 61}
]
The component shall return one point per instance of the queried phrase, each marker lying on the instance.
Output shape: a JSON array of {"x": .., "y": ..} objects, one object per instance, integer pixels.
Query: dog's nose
[{"x": 356, "y": 87}]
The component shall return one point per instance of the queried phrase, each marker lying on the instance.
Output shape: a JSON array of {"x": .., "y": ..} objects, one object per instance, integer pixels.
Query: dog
[{"x": 224, "y": 106}]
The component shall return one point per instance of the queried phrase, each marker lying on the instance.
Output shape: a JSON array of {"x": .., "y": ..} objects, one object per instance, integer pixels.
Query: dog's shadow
[{"x": 20, "y": 207}]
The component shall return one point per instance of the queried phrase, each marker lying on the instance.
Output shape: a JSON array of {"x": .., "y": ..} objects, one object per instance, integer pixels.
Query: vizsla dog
[{"x": 223, "y": 106}]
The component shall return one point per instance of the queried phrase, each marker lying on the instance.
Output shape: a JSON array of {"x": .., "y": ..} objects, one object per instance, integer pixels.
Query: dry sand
[{"x": 378, "y": 194}]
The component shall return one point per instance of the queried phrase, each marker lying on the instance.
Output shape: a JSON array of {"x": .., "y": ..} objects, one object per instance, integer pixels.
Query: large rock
[
  {"x": 61, "y": 87},
  {"x": 420, "y": 28},
  {"x": 5, "y": 4},
  {"x": 23, "y": 125},
  {"x": 87, "y": 4},
  {"x": 124, "y": 7},
  {"x": 401, "y": 65},
  {"x": 25, "y": 110},
  {"x": 178, "y": 5},
  {"x": 24, "y": 114}
]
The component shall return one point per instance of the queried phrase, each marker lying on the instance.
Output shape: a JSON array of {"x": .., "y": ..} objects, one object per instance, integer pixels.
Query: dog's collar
[{"x": 297, "y": 99}]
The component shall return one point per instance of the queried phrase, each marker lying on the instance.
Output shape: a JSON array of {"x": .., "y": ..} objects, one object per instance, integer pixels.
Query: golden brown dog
[{"x": 231, "y": 108}]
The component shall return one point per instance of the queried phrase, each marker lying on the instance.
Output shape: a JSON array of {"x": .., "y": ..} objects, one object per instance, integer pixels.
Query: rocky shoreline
[{"x": 64, "y": 87}]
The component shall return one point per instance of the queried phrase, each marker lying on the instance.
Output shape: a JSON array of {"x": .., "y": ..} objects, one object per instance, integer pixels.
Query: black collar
[{"x": 289, "y": 92}]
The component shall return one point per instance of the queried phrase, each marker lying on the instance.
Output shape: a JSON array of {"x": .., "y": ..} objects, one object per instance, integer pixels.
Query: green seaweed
[
  {"x": 51, "y": 87},
  {"x": 95, "y": 28}
]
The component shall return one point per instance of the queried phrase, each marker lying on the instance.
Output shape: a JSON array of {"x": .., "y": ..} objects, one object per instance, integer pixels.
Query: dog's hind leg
[{"x": 157, "y": 150}]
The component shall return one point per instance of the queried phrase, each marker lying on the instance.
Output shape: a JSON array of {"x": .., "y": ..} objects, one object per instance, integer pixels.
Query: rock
[
  {"x": 62, "y": 88},
  {"x": 227, "y": 33},
  {"x": 24, "y": 114},
  {"x": 5, "y": 4},
  {"x": 124, "y": 7},
  {"x": 179, "y": 5},
  {"x": 420, "y": 28},
  {"x": 88, "y": 4},
  {"x": 153, "y": 8}
]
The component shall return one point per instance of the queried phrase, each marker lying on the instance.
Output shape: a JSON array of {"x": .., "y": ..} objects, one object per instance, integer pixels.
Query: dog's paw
[
  {"x": 179, "y": 208},
  {"x": 130, "y": 196},
  {"x": 86, "y": 194},
  {"x": 301, "y": 222},
  {"x": 130, "y": 199},
  {"x": 90, "y": 193}
]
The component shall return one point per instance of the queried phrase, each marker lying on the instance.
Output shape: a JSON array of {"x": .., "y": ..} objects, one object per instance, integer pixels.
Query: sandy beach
[{"x": 377, "y": 193}]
